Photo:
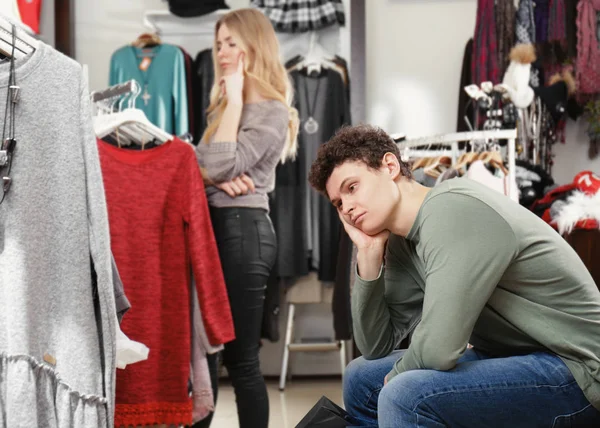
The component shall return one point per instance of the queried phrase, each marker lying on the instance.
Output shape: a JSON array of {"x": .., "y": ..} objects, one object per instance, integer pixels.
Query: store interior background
[
  {"x": 413, "y": 58},
  {"x": 414, "y": 51}
]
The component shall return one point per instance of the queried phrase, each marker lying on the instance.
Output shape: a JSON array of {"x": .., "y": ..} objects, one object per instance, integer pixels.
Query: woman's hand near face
[
  {"x": 233, "y": 84},
  {"x": 241, "y": 185}
]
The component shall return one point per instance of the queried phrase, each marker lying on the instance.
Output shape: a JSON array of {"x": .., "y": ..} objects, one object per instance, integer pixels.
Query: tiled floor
[{"x": 287, "y": 408}]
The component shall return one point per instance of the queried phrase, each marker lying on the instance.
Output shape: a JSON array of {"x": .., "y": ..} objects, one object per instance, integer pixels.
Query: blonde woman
[{"x": 251, "y": 128}]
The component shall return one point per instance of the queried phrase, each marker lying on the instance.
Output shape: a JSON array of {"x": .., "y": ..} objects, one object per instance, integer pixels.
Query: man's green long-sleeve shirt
[{"x": 478, "y": 268}]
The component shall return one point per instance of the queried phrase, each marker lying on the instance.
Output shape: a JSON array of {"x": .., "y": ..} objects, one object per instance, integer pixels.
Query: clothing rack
[
  {"x": 426, "y": 153},
  {"x": 24, "y": 43},
  {"x": 115, "y": 91},
  {"x": 452, "y": 140}
]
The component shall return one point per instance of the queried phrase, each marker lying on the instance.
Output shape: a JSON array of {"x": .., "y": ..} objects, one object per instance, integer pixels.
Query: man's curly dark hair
[{"x": 353, "y": 143}]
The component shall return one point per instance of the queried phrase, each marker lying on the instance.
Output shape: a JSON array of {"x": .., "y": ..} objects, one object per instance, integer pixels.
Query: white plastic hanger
[
  {"x": 133, "y": 121},
  {"x": 316, "y": 57},
  {"x": 24, "y": 43}
]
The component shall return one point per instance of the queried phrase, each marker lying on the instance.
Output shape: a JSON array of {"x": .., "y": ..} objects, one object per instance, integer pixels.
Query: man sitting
[{"x": 463, "y": 264}]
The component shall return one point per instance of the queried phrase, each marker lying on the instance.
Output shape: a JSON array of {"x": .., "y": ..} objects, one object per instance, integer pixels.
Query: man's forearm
[{"x": 373, "y": 331}]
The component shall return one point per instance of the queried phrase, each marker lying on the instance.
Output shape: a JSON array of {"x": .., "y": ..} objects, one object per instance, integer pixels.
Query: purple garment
[
  {"x": 542, "y": 17},
  {"x": 484, "y": 64},
  {"x": 202, "y": 393},
  {"x": 557, "y": 27}
]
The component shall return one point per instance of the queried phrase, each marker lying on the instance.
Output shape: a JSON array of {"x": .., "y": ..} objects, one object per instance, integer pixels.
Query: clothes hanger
[
  {"x": 466, "y": 160},
  {"x": 125, "y": 135},
  {"x": 131, "y": 120},
  {"x": 316, "y": 58},
  {"x": 24, "y": 44},
  {"x": 147, "y": 40},
  {"x": 420, "y": 163},
  {"x": 122, "y": 135},
  {"x": 438, "y": 165},
  {"x": 494, "y": 159}
]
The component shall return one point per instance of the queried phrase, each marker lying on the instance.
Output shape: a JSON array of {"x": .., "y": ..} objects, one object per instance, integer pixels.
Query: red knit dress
[{"x": 160, "y": 232}]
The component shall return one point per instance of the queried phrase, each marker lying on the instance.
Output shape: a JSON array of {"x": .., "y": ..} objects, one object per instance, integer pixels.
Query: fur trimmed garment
[{"x": 581, "y": 211}]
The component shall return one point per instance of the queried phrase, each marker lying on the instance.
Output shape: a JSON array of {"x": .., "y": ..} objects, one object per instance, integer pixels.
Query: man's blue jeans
[{"x": 535, "y": 390}]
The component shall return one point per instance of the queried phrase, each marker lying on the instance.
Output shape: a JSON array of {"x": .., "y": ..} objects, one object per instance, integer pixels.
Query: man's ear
[{"x": 390, "y": 165}]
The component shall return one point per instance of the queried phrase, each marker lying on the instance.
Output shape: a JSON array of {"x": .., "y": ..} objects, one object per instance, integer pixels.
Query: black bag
[{"x": 325, "y": 414}]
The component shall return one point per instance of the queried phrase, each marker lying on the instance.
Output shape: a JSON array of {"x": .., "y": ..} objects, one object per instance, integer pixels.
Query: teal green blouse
[{"x": 163, "y": 83}]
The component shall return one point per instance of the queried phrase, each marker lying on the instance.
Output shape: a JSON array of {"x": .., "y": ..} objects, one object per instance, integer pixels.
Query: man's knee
[
  {"x": 353, "y": 373},
  {"x": 356, "y": 378},
  {"x": 403, "y": 393}
]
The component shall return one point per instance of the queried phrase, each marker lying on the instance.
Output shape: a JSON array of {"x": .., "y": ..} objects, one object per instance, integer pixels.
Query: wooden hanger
[
  {"x": 438, "y": 165},
  {"x": 466, "y": 159},
  {"x": 147, "y": 40},
  {"x": 495, "y": 159},
  {"x": 420, "y": 163}
]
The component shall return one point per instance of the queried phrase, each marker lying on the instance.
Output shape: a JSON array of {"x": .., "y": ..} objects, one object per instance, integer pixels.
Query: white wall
[
  {"x": 414, "y": 60},
  {"x": 572, "y": 157}
]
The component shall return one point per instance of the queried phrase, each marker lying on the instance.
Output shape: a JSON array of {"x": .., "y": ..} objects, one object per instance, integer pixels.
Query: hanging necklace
[
  {"x": 311, "y": 125},
  {"x": 9, "y": 144},
  {"x": 146, "y": 96}
]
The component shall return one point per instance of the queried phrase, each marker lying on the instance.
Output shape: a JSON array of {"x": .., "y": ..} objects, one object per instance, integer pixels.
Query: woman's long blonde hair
[{"x": 262, "y": 66}]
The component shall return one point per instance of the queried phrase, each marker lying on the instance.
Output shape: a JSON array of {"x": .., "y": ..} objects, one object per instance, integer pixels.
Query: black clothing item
[
  {"x": 213, "y": 370},
  {"x": 346, "y": 78},
  {"x": 340, "y": 304},
  {"x": 555, "y": 98},
  {"x": 191, "y": 8},
  {"x": 464, "y": 107},
  {"x": 248, "y": 249},
  {"x": 540, "y": 187},
  {"x": 189, "y": 80},
  {"x": 571, "y": 26},
  {"x": 308, "y": 228},
  {"x": 287, "y": 210},
  {"x": 307, "y": 224},
  {"x": 203, "y": 77}
]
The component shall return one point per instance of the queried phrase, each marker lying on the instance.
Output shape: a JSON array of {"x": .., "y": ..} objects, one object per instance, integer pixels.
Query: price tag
[
  {"x": 145, "y": 63},
  {"x": 50, "y": 359}
]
